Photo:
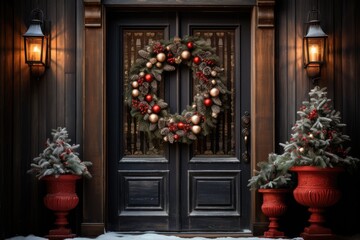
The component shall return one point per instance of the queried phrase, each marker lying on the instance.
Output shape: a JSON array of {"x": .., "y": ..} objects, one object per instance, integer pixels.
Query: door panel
[{"x": 177, "y": 187}]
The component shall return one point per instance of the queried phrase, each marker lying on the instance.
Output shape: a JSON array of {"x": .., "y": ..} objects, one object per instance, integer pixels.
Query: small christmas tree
[
  {"x": 59, "y": 157},
  {"x": 317, "y": 138}
]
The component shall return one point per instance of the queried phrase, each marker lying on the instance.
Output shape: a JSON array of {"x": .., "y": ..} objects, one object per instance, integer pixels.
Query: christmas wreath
[{"x": 152, "y": 112}]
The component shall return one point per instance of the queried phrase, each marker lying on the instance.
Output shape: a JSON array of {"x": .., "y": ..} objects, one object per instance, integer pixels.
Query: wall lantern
[
  {"x": 314, "y": 46},
  {"x": 36, "y": 44}
]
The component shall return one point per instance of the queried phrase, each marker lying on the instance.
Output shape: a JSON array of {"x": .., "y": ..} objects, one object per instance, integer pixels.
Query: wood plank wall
[
  {"x": 31, "y": 107},
  {"x": 341, "y": 21}
]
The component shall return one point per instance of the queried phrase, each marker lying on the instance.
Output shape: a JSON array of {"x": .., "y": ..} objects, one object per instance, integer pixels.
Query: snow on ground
[{"x": 147, "y": 236}]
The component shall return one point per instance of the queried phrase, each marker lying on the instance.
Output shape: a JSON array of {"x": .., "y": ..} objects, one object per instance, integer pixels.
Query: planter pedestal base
[{"x": 312, "y": 236}]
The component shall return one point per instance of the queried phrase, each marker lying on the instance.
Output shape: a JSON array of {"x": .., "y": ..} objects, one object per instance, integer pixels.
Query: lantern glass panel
[{"x": 35, "y": 49}]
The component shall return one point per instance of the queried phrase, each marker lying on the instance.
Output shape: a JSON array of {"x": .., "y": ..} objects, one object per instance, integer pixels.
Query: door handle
[{"x": 245, "y": 132}]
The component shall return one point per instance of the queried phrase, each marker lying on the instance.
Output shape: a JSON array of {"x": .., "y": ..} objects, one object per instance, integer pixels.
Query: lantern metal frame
[
  {"x": 37, "y": 44},
  {"x": 314, "y": 46}
]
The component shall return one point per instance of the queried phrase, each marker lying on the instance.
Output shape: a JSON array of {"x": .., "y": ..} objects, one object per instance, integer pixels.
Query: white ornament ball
[
  {"x": 149, "y": 65},
  {"x": 141, "y": 74},
  {"x": 214, "y": 92},
  {"x": 135, "y": 84},
  {"x": 153, "y": 118},
  {"x": 196, "y": 129},
  {"x": 161, "y": 57},
  {"x": 185, "y": 55},
  {"x": 311, "y": 135},
  {"x": 159, "y": 65},
  {"x": 195, "y": 119},
  {"x": 149, "y": 111},
  {"x": 135, "y": 93},
  {"x": 301, "y": 149},
  {"x": 213, "y": 73}
]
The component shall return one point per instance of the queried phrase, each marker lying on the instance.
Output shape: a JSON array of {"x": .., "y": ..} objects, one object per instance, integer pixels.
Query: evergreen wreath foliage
[{"x": 152, "y": 112}]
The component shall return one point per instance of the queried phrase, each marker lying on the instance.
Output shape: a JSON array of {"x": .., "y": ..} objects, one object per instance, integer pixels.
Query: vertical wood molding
[
  {"x": 94, "y": 120},
  {"x": 262, "y": 95},
  {"x": 265, "y": 13}
]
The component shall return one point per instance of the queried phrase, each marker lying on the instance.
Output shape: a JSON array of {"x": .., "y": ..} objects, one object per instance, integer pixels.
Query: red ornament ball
[
  {"x": 180, "y": 125},
  {"x": 176, "y": 137},
  {"x": 208, "y": 102},
  {"x": 197, "y": 60},
  {"x": 190, "y": 45},
  {"x": 148, "y": 98},
  {"x": 148, "y": 77},
  {"x": 156, "y": 108}
]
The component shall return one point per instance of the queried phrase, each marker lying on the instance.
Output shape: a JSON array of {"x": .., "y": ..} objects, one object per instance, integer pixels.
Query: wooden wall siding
[
  {"x": 341, "y": 21},
  {"x": 31, "y": 107}
]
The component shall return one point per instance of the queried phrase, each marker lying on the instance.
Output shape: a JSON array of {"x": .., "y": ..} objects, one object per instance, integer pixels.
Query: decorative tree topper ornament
[{"x": 151, "y": 111}]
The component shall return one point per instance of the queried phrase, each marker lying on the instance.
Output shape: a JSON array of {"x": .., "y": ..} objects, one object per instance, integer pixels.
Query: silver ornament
[
  {"x": 135, "y": 84},
  {"x": 149, "y": 65},
  {"x": 214, "y": 92},
  {"x": 185, "y": 55},
  {"x": 159, "y": 65},
  {"x": 161, "y": 57},
  {"x": 153, "y": 118},
  {"x": 135, "y": 93},
  {"x": 195, "y": 119},
  {"x": 196, "y": 129}
]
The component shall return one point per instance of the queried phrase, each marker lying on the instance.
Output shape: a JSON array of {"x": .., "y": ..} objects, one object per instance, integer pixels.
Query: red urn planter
[
  {"x": 317, "y": 189},
  {"x": 61, "y": 198},
  {"x": 274, "y": 206}
]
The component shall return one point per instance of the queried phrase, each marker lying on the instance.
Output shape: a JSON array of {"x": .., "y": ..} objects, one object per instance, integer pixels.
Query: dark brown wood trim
[
  {"x": 94, "y": 123},
  {"x": 265, "y": 15},
  {"x": 262, "y": 103},
  {"x": 92, "y": 14}
]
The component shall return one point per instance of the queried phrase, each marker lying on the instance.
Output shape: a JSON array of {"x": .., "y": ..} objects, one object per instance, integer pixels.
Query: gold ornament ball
[
  {"x": 149, "y": 111},
  {"x": 161, "y": 57},
  {"x": 311, "y": 135},
  {"x": 159, "y": 65},
  {"x": 196, "y": 129},
  {"x": 149, "y": 65},
  {"x": 178, "y": 60},
  {"x": 135, "y": 93},
  {"x": 141, "y": 74},
  {"x": 195, "y": 119},
  {"x": 153, "y": 118},
  {"x": 194, "y": 106},
  {"x": 167, "y": 48},
  {"x": 153, "y": 60},
  {"x": 185, "y": 55},
  {"x": 214, "y": 92},
  {"x": 165, "y": 139},
  {"x": 213, "y": 73},
  {"x": 135, "y": 84},
  {"x": 214, "y": 115},
  {"x": 301, "y": 149},
  {"x": 213, "y": 82}
]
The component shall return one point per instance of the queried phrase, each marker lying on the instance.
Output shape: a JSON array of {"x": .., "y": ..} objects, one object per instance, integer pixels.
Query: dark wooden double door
[{"x": 175, "y": 187}]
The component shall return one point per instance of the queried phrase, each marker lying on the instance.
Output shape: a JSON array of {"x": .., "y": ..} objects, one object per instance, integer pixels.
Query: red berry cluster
[
  {"x": 313, "y": 114},
  {"x": 135, "y": 103},
  {"x": 141, "y": 80},
  {"x": 143, "y": 107},
  {"x": 209, "y": 62},
  {"x": 201, "y": 76},
  {"x": 158, "y": 48}
]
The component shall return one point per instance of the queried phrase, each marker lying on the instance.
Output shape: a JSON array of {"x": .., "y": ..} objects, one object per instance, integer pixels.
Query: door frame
[{"x": 93, "y": 44}]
